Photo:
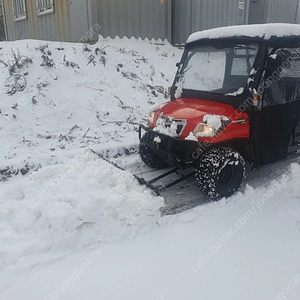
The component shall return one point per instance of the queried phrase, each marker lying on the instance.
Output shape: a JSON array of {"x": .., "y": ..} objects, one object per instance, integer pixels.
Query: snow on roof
[{"x": 264, "y": 31}]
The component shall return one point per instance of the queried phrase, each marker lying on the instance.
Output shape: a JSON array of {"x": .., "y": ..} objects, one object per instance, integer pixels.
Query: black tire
[
  {"x": 220, "y": 173},
  {"x": 148, "y": 156}
]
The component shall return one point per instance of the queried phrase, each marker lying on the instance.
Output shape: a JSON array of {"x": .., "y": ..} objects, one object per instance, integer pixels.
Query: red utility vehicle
[{"x": 235, "y": 99}]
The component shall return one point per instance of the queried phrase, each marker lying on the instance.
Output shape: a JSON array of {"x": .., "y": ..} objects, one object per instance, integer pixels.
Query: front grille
[
  {"x": 182, "y": 149},
  {"x": 165, "y": 122}
]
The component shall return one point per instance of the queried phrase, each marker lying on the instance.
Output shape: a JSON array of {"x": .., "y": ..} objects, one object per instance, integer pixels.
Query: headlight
[
  {"x": 203, "y": 130},
  {"x": 151, "y": 117},
  {"x": 211, "y": 125}
]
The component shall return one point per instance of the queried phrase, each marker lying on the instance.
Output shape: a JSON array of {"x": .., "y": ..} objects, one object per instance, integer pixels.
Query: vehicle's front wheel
[
  {"x": 220, "y": 172},
  {"x": 148, "y": 156}
]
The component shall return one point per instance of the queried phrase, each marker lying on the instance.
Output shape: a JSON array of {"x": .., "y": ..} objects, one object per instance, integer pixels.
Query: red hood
[
  {"x": 193, "y": 110},
  {"x": 185, "y": 108}
]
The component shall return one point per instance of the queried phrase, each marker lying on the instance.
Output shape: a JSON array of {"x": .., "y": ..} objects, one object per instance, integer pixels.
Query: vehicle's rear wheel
[
  {"x": 148, "y": 156},
  {"x": 220, "y": 172}
]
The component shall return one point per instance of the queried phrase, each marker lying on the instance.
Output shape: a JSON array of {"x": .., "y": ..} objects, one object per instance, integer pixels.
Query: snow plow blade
[{"x": 151, "y": 183}]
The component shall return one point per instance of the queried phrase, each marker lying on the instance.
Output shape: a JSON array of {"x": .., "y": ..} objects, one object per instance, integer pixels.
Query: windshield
[{"x": 219, "y": 70}]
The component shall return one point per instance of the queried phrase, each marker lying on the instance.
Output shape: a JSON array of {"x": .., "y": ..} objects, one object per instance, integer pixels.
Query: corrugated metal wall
[
  {"x": 298, "y": 13},
  {"x": 281, "y": 11},
  {"x": 79, "y": 21},
  {"x": 193, "y": 15},
  {"x": 181, "y": 20},
  {"x": 137, "y": 18},
  {"x": 215, "y": 13},
  {"x": 257, "y": 11},
  {"x": 54, "y": 27},
  {"x": 158, "y": 19},
  {"x": 14, "y": 30}
]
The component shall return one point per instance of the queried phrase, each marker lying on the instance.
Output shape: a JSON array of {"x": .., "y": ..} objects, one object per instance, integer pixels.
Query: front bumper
[{"x": 178, "y": 152}]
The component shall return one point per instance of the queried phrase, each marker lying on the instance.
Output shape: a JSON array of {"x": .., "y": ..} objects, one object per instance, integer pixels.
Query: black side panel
[
  {"x": 275, "y": 133},
  {"x": 272, "y": 131},
  {"x": 294, "y": 143},
  {"x": 255, "y": 134}
]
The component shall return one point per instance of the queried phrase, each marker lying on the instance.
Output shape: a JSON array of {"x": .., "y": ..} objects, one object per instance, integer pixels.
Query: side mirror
[{"x": 178, "y": 64}]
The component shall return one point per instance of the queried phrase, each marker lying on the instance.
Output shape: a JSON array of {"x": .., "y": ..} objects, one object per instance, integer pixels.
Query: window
[
  {"x": 19, "y": 10},
  {"x": 242, "y": 61},
  {"x": 44, "y": 7},
  {"x": 205, "y": 69},
  {"x": 282, "y": 79},
  {"x": 223, "y": 69}
]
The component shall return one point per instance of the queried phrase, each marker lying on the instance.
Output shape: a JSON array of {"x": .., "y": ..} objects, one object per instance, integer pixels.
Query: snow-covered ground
[
  {"x": 246, "y": 247},
  {"x": 77, "y": 96},
  {"x": 75, "y": 227}
]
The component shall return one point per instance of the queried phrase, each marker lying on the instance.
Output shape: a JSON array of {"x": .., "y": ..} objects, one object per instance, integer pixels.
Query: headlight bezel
[{"x": 204, "y": 130}]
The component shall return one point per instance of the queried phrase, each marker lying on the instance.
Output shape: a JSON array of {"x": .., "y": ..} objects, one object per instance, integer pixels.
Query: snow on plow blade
[{"x": 154, "y": 183}]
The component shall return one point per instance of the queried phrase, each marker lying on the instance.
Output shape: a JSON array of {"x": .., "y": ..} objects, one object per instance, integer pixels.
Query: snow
[
  {"x": 155, "y": 107},
  {"x": 214, "y": 121},
  {"x": 191, "y": 137},
  {"x": 75, "y": 227},
  {"x": 162, "y": 126},
  {"x": 81, "y": 201},
  {"x": 87, "y": 98},
  {"x": 264, "y": 31},
  {"x": 157, "y": 139},
  {"x": 239, "y": 91},
  {"x": 64, "y": 109},
  {"x": 179, "y": 89},
  {"x": 250, "y": 79},
  {"x": 247, "y": 245},
  {"x": 273, "y": 56}
]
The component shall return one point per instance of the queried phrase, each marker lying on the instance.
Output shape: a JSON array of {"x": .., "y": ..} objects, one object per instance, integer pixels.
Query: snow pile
[
  {"x": 57, "y": 98},
  {"x": 265, "y": 31},
  {"x": 249, "y": 238},
  {"x": 82, "y": 201},
  {"x": 65, "y": 206}
]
